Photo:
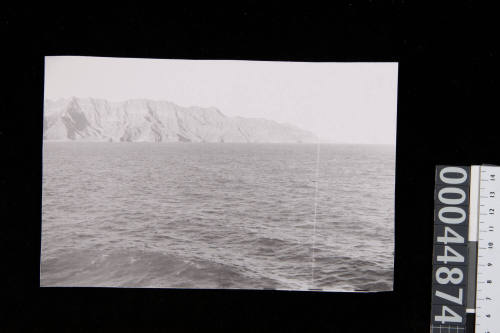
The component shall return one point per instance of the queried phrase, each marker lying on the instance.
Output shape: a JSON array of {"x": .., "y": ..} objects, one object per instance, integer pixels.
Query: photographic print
[{"x": 218, "y": 174}]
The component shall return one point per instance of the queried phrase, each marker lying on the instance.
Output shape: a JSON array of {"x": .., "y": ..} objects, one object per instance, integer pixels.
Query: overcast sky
[{"x": 339, "y": 102}]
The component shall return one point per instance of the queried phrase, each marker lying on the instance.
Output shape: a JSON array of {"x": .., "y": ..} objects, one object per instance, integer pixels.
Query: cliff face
[{"x": 86, "y": 119}]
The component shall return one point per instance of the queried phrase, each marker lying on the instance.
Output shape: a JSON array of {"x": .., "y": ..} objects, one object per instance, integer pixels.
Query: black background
[{"x": 447, "y": 101}]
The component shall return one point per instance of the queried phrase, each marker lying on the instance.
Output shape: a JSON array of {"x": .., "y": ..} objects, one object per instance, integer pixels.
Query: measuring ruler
[
  {"x": 487, "y": 305},
  {"x": 466, "y": 256}
]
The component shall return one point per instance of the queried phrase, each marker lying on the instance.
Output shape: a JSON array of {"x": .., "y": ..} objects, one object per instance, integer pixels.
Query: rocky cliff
[{"x": 140, "y": 120}]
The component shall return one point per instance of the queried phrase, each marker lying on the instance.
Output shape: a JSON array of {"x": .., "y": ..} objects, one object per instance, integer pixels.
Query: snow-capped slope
[{"x": 140, "y": 120}]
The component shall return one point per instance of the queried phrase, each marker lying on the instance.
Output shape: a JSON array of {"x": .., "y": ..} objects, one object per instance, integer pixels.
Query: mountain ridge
[{"x": 144, "y": 120}]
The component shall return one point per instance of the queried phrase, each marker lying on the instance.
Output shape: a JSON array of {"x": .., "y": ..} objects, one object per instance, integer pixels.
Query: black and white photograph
[{"x": 218, "y": 174}]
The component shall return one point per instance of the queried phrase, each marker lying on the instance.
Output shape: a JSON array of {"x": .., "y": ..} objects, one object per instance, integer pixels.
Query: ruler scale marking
[
  {"x": 488, "y": 296},
  {"x": 466, "y": 256}
]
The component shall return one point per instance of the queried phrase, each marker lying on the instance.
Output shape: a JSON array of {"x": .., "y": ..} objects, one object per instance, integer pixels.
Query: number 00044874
[{"x": 450, "y": 245}]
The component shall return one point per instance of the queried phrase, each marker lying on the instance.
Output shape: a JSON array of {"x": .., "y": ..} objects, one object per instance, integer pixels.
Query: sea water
[{"x": 202, "y": 215}]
